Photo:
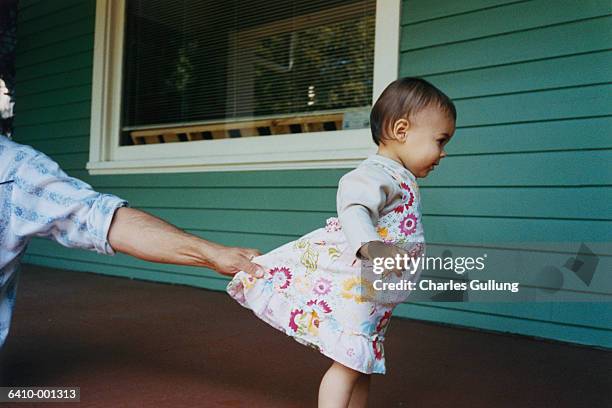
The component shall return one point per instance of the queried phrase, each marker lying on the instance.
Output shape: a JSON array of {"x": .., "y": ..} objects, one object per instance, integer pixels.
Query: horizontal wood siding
[
  {"x": 531, "y": 157},
  {"x": 532, "y": 86}
]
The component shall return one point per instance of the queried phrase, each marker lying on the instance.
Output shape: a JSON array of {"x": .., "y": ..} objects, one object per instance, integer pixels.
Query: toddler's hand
[{"x": 378, "y": 249}]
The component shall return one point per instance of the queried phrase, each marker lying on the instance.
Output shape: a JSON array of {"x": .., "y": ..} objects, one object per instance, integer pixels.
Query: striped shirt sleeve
[{"x": 46, "y": 202}]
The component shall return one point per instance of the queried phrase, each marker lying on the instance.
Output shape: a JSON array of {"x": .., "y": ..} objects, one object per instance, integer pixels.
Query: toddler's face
[{"x": 428, "y": 133}]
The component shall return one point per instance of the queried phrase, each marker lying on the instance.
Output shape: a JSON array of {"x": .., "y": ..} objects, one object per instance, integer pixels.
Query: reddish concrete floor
[{"x": 134, "y": 344}]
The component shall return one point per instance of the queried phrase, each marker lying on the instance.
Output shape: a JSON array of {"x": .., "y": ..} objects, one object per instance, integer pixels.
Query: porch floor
[{"x": 129, "y": 343}]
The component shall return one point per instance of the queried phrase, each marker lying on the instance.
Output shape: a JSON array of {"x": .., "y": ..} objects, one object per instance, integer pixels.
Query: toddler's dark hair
[{"x": 403, "y": 98}]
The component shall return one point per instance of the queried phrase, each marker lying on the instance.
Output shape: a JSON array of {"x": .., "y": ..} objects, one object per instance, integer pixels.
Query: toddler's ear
[{"x": 400, "y": 127}]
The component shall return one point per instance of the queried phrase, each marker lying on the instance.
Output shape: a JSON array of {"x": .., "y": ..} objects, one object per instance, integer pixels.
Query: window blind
[{"x": 194, "y": 61}]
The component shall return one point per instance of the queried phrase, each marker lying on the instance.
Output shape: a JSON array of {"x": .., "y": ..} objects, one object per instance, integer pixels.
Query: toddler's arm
[{"x": 362, "y": 194}]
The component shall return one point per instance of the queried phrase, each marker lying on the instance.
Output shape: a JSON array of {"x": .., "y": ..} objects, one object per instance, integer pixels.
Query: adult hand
[{"x": 231, "y": 260}]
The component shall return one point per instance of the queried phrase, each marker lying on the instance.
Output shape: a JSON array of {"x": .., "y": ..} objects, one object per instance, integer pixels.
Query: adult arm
[
  {"x": 46, "y": 202},
  {"x": 144, "y": 236}
]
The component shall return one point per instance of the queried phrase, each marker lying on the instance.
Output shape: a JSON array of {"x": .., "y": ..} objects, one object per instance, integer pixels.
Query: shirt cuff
[{"x": 100, "y": 219}]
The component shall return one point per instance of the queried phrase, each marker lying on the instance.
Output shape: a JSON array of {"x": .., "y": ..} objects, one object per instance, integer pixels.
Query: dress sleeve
[
  {"x": 362, "y": 194},
  {"x": 46, "y": 202}
]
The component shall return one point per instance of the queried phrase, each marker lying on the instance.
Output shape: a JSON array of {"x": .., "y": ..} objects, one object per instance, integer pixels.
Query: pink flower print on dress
[
  {"x": 303, "y": 322},
  {"x": 408, "y": 225},
  {"x": 281, "y": 277},
  {"x": 319, "y": 305},
  {"x": 378, "y": 349},
  {"x": 407, "y": 195},
  {"x": 293, "y": 319},
  {"x": 322, "y": 286},
  {"x": 416, "y": 251},
  {"x": 332, "y": 225},
  {"x": 384, "y": 322}
]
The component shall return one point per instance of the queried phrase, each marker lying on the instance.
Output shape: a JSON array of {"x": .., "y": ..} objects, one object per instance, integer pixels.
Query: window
[{"x": 255, "y": 84}]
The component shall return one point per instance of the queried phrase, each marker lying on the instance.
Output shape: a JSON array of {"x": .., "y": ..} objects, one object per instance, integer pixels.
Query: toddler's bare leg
[
  {"x": 359, "y": 397},
  {"x": 337, "y": 386}
]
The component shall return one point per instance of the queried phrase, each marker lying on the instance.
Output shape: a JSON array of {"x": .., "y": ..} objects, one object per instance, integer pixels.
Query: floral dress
[{"x": 314, "y": 289}]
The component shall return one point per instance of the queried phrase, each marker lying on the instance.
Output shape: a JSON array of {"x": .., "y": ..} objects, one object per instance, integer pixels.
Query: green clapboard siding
[{"x": 530, "y": 161}]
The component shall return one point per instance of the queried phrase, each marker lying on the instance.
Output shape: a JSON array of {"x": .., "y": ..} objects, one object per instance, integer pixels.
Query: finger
[
  {"x": 259, "y": 272},
  {"x": 251, "y": 253},
  {"x": 254, "y": 251},
  {"x": 253, "y": 269}
]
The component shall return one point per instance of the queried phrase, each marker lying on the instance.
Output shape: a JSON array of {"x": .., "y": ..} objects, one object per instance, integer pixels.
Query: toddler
[{"x": 315, "y": 288}]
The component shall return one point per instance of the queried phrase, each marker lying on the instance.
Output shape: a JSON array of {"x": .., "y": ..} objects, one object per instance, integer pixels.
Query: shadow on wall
[{"x": 8, "y": 40}]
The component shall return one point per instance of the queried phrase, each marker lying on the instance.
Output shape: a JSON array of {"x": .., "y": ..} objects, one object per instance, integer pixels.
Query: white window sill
[{"x": 342, "y": 149}]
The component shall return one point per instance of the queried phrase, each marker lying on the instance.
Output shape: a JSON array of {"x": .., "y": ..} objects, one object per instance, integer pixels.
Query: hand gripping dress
[{"x": 313, "y": 289}]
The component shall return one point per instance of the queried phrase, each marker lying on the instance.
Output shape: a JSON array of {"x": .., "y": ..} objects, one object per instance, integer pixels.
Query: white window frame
[{"x": 331, "y": 149}]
